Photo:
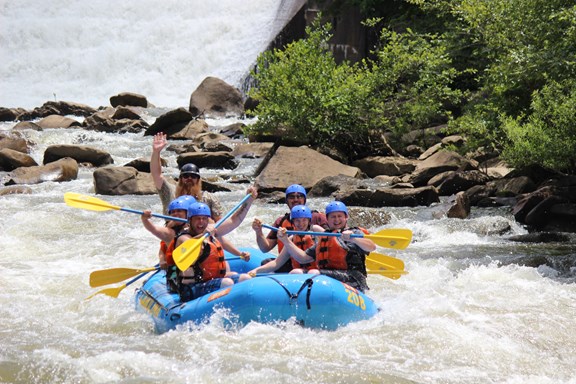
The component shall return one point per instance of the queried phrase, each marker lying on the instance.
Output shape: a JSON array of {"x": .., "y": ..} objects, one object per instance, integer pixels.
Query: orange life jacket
[
  {"x": 286, "y": 223},
  {"x": 168, "y": 249},
  {"x": 303, "y": 242},
  {"x": 334, "y": 253},
  {"x": 211, "y": 264}
]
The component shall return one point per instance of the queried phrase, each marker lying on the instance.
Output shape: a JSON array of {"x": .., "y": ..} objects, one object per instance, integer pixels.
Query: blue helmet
[
  {"x": 336, "y": 206},
  {"x": 296, "y": 188},
  {"x": 182, "y": 202},
  {"x": 300, "y": 211},
  {"x": 199, "y": 209}
]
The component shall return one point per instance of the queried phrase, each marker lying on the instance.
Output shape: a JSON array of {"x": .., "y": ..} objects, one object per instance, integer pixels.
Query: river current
[{"x": 465, "y": 313}]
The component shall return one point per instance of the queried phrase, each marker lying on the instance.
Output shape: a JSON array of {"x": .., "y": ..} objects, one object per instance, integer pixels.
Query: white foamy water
[
  {"x": 88, "y": 51},
  {"x": 461, "y": 315},
  {"x": 465, "y": 313}
]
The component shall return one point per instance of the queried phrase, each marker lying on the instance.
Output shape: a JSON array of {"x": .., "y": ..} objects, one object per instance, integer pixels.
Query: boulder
[
  {"x": 252, "y": 150},
  {"x": 208, "y": 159},
  {"x": 129, "y": 99},
  {"x": 551, "y": 207},
  {"x": 10, "y": 114},
  {"x": 216, "y": 98},
  {"x": 125, "y": 113},
  {"x": 11, "y": 159},
  {"x": 460, "y": 208},
  {"x": 122, "y": 181},
  {"x": 23, "y": 125},
  {"x": 439, "y": 162},
  {"x": 170, "y": 123},
  {"x": 495, "y": 168},
  {"x": 233, "y": 131},
  {"x": 57, "y": 121},
  {"x": 451, "y": 182},
  {"x": 108, "y": 120},
  {"x": 389, "y": 197},
  {"x": 61, "y": 170},
  {"x": 385, "y": 165},
  {"x": 62, "y": 108},
  {"x": 331, "y": 185},
  {"x": 209, "y": 139},
  {"x": 81, "y": 153},
  {"x": 191, "y": 130},
  {"x": 299, "y": 165},
  {"x": 14, "y": 142},
  {"x": 143, "y": 165}
]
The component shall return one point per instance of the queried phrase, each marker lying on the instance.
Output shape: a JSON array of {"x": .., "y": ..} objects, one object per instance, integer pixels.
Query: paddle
[
  {"x": 187, "y": 253},
  {"x": 386, "y": 268},
  {"x": 387, "y": 238},
  {"x": 115, "y": 275},
  {"x": 77, "y": 200},
  {"x": 114, "y": 292},
  {"x": 384, "y": 261},
  {"x": 391, "y": 274}
]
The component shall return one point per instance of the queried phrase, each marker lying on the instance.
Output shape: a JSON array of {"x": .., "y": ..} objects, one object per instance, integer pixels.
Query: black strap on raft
[{"x": 294, "y": 296}]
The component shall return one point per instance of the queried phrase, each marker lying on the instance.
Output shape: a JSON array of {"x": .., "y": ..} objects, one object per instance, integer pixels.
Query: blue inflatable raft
[{"x": 314, "y": 301}]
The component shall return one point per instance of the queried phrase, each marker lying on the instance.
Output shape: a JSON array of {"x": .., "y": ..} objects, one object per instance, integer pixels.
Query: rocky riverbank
[{"x": 542, "y": 199}]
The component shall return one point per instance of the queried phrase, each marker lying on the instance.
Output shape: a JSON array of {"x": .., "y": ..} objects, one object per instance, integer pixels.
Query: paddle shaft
[
  {"x": 155, "y": 215},
  {"x": 303, "y": 233},
  {"x": 77, "y": 200}
]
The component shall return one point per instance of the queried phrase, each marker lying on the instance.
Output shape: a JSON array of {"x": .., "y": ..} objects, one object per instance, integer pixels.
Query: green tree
[
  {"x": 546, "y": 138},
  {"x": 304, "y": 94},
  {"x": 410, "y": 82}
]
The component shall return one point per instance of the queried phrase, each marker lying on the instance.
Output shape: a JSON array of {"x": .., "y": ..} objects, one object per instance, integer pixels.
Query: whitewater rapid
[{"x": 88, "y": 51}]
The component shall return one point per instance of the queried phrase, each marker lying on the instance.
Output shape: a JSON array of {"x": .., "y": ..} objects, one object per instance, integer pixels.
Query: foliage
[
  {"x": 303, "y": 91},
  {"x": 410, "y": 82},
  {"x": 525, "y": 44},
  {"x": 544, "y": 137},
  {"x": 491, "y": 68}
]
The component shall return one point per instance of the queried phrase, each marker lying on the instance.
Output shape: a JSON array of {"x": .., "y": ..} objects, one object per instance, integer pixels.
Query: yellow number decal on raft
[
  {"x": 356, "y": 299},
  {"x": 150, "y": 305}
]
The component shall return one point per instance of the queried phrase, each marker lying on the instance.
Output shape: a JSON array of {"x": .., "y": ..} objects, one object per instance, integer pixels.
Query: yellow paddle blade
[
  {"x": 388, "y": 266},
  {"x": 114, "y": 275},
  {"x": 112, "y": 292},
  {"x": 187, "y": 253},
  {"x": 378, "y": 261},
  {"x": 395, "y": 238},
  {"x": 391, "y": 274},
  {"x": 77, "y": 200}
]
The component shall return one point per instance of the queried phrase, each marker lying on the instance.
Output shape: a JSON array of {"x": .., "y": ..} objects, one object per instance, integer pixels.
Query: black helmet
[{"x": 190, "y": 169}]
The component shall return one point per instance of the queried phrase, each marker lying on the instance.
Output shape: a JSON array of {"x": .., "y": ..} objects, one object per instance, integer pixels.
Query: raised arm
[
  {"x": 298, "y": 254},
  {"x": 158, "y": 144},
  {"x": 236, "y": 219},
  {"x": 165, "y": 234},
  {"x": 264, "y": 243}
]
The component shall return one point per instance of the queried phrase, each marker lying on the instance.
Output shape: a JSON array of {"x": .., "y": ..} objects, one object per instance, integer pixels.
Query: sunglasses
[
  {"x": 295, "y": 196},
  {"x": 189, "y": 176}
]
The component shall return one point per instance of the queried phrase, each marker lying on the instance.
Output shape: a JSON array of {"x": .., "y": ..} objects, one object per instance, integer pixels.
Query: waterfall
[{"x": 88, "y": 51}]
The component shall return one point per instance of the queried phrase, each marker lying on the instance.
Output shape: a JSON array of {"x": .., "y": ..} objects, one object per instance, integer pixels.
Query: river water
[{"x": 467, "y": 312}]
